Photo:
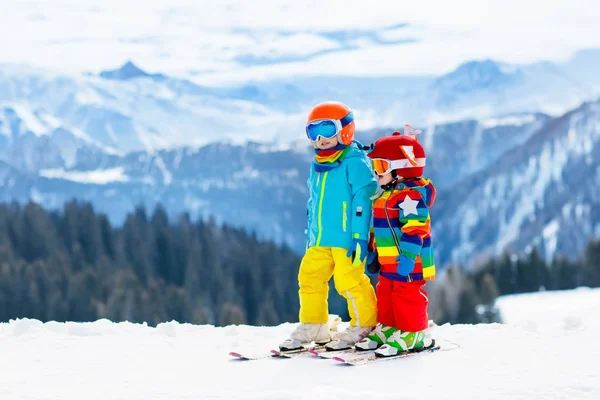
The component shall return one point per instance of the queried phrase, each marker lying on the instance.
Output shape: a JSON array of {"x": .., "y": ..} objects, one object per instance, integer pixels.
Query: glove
[
  {"x": 358, "y": 251},
  {"x": 405, "y": 265},
  {"x": 373, "y": 265}
]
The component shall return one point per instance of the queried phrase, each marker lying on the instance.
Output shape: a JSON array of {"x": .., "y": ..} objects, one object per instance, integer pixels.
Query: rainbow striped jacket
[{"x": 401, "y": 222}]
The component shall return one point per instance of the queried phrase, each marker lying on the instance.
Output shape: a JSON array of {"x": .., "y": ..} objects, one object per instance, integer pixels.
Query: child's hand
[
  {"x": 373, "y": 265},
  {"x": 405, "y": 265},
  {"x": 358, "y": 251}
]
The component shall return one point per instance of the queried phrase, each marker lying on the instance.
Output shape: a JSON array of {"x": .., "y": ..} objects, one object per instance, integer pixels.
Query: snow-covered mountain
[
  {"x": 127, "y": 137},
  {"x": 262, "y": 189},
  {"x": 459, "y": 149},
  {"x": 487, "y": 88},
  {"x": 135, "y": 112},
  {"x": 259, "y": 187},
  {"x": 583, "y": 68},
  {"x": 128, "y": 109},
  {"x": 527, "y": 357},
  {"x": 476, "y": 165},
  {"x": 544, "y": 193}
]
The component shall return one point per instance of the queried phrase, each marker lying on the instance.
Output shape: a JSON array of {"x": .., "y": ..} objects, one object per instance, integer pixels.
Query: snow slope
[{"x": 536, "y": 354}]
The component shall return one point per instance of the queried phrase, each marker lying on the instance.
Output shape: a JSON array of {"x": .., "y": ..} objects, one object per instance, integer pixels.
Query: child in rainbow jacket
[{"x": 400, "y": 248}]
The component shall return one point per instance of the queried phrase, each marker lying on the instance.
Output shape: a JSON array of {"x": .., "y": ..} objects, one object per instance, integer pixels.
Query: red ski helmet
[{"x": 401, "y": 153}]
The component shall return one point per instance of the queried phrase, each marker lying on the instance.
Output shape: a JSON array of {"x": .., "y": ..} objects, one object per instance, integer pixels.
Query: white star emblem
[{"x": 409, "y": 206}]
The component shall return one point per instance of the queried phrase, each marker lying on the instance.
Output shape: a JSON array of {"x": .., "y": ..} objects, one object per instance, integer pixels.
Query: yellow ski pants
[{"x": 318, "y": 265}]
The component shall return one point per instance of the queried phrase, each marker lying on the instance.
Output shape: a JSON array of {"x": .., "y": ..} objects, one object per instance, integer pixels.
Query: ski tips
[
  {"x": 339, "y": 359},
  {"x": 234, "y": 354}
]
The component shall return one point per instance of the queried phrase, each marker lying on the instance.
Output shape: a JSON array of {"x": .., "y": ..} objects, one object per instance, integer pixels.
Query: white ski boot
[
  {"x": 347, "y": 338},
  {"x": 307, "y": 333}
]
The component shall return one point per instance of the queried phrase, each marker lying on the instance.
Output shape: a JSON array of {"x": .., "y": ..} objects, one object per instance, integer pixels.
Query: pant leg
[
  {"x": 315, "y": 272},
  {"x": 385, "y": 306},
  {"x": 352, "y": 283},
  {"x": 410, "y": 306}
]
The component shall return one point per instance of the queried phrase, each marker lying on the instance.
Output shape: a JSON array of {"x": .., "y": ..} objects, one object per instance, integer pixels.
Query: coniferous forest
[{"x": 73, "y": 265}]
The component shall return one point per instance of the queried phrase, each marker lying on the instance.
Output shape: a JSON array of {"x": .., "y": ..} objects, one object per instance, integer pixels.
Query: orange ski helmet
[{"x": 329, "y": 119}]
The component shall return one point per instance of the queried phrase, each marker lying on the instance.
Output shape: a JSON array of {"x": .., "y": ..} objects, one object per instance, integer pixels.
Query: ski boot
[
  {"x": 377, "y": 338},
  {"x": 403, "y": 341},
  {"x": 308, "y": 333},
  {"x": 346, "y": 339}
]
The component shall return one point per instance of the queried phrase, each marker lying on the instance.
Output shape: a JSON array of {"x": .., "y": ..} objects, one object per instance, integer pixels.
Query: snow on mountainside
[
  {"x": 145, "y": 113},
  {"x": 545, "y": 193},
  {"x": 262, "y": 188},
  {"x": 531, "y": 356},
  {"x": 484, "y": 88},
  {"x": 583, "y": 67},
  {"x": 459, "y": 149},
  {"x": 128, "y": 137},
  {"x": 258, "y": 187},
  {"x": 128, "y": 109}
]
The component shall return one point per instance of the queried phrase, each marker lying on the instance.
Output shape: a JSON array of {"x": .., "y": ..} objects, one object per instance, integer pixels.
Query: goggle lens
[
  {"x": 381, "y": 166},
  {"x": 325, "y": 129}
]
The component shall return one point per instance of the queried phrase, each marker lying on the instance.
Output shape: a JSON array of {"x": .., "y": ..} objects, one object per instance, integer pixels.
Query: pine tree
[
  {"x": 531, "y": 273},
  {"x": 232, "y": 314},
  {"x": 488, "y": 290},
  {"x": 590, "y": 271},
  {"x": 564, "y": 274}
]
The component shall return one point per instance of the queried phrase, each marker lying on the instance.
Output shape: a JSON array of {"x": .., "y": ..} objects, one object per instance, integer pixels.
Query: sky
[{"x": 227, "y": 42}]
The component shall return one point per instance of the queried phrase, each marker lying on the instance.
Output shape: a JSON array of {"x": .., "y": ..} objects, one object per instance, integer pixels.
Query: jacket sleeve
[
  {"x": 415, "y": 221},
  {"x": 372, "y": 245},
  {"x": 308, "y": 207},
  {"x": 430, "y": 192},
  {"x": 362, "y": 185}
]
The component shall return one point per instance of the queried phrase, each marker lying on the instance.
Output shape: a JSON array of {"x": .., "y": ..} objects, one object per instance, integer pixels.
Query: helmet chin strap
[
  {"x": 391, "y": 184},
  {"x": 383, "y": 188}
]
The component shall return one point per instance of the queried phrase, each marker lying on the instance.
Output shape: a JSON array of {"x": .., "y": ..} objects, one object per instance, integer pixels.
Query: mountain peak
[
  {"x": 481, "y": 72},
  {"x": 475, "y": 76},
  {"x": 127, "y": 71},
  {"x": 479, "y": 65}
]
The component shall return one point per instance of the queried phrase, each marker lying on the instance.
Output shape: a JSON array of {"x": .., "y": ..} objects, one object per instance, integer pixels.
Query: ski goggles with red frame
[{"x": 327, "y": 128}]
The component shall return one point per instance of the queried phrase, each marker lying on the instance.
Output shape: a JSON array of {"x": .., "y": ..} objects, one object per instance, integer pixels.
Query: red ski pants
[{"x": 402, "y": 305}]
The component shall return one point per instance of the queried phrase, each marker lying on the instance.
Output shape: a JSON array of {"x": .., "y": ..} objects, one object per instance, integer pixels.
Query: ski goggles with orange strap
[
  {"x": 381, "y": 166},
  {"x": 327, "y": 128}
]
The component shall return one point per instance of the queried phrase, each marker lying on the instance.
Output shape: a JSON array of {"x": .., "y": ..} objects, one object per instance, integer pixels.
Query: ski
[
  {"x": 329, "y": 354},
  {"x": 279, "y": 353},
  {"x": 248, "y": 357},
  {"x": 304, "y": 351},
  {"x": 312, "y": 347},
  {"x": 373, "y": 358}
]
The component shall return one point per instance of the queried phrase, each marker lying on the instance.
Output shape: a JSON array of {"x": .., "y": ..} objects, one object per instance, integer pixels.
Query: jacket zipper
[
  {"x": 344, "y": 216},
  {"x": 387, "y": 218},
  {"x": 321, "y": 207}
]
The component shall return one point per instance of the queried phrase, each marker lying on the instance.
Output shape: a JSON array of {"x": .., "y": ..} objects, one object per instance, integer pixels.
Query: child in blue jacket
[{"x": 341, "y": 183}]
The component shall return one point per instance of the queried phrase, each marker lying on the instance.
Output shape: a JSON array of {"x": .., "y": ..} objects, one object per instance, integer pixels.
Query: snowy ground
[{"x": 546, "y": 350}]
